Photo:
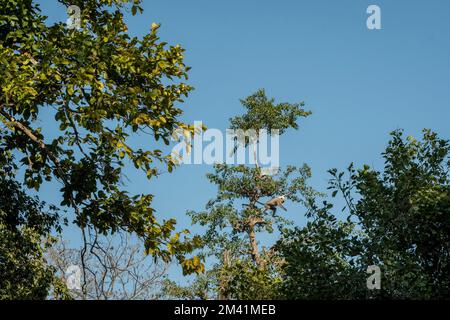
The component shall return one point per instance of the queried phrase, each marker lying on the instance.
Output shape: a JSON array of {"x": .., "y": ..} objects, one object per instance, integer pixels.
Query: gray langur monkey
[{"x": 272, "y": 204}]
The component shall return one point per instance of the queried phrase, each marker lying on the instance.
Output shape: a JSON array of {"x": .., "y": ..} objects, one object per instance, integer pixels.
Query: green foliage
[
  {"x": 399, "y": 219},
  {"x": 233, "y": 221},
  {"x": 321, "y": 259},
  {"x": 103, "y": 87},
  {"x": 25, "y": 226},
  {"x": 247, "y": 281},
  {"x": 263, "y": 113},
  {"x": 236, "y": 216},
  {"x": 242, "y": 191},
  {"x": 200, "y": 289}
]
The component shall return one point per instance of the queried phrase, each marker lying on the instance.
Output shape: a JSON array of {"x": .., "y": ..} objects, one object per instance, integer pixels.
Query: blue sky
[{"x": 360, "y": 84}]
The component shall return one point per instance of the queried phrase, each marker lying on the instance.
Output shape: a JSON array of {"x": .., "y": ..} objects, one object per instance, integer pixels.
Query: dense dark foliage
[{"x": 397, "y": 219}]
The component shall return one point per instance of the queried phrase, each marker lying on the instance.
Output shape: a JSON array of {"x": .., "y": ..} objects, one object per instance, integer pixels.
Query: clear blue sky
[{"x": 360, "y": 84}]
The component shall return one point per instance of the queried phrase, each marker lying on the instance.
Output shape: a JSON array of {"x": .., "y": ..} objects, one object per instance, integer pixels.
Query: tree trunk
[
  {"x": 223, "y": 281},
  {"x": 253, "y": 244}
]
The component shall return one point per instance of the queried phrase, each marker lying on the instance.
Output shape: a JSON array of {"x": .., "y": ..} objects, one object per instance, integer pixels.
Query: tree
[
  {"x": 322, "y": 259},
  {"x": 25, "y": 226},
  {"x": 117, "y": 269},
  {"x": 263, "y": 113},
  {"x": 102, "y": 87},
  {"x": 397, "y": 219},
  {"x": 237, "y": 215}
]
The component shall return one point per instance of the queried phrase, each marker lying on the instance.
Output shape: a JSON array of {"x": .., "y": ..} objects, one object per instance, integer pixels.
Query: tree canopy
[
  {"x": 237, "y": 215},
  {"x": 397, "y": 219},
  {"x": 102, "y": 87},
  {"x": 25, "y": 227},
  {"x": 73, "y": 101}
]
